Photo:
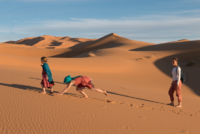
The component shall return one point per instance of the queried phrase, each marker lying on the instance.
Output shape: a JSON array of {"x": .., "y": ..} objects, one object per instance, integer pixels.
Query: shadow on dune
[
  {"x": 108, "y": 41},
  {"x": 189, "y": 45},
  {"x": 75, "y": 40},
  {"x": 86, "y": 47},
  {"x": 55, "y": 43},
  {"x": 135, "y": 97},
  {"x": 25, "y": 87},
  {"x": 75, "y": 95},
  {"x": 192, "y": 52},
  {"x": 29, "y": 42}
]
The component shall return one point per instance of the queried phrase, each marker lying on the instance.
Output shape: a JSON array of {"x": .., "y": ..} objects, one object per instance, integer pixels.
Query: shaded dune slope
[
  {"x": 172, "y": 46},
  {"x": 27, "y": 41},
  {"x": 109, "y": 41},
  {"x": 186, "y": 52},
  {"x": 47, "y": 41},
  {"x": 68, "y": 47}
]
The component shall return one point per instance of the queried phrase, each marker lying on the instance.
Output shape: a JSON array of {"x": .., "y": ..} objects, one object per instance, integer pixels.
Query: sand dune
[
  {"x": 183, "y": 40},
  {"x": 70, "y": 47},
  {"x": 48, "y": 41},
  {"x": 136, "y": 75},
  {"x": 174, "y": 46},
  {"x": 187, "y": 52},
  {"x": 109, "y": 41}
]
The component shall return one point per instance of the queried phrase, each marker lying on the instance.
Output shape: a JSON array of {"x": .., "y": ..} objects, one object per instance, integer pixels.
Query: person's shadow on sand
[
  {"x": 25, "y": 87},
  {"x": 39, "y": 90},
  {"x": 135, "y": 97}
]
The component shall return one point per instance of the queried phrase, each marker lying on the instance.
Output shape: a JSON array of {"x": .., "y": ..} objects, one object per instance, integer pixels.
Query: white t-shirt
[{"x": 176, "y": 74}]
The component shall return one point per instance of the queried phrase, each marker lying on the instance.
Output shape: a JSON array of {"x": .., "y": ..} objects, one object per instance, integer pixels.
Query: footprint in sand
[
  {"x": 109, "y": 101},
  {"x": 150, "y": 57},
  {"x": 142, "y": 117},
  {"x": 162, "y": 109},
  {"x": 139, "y": 59},
  {"x": 122, "y": 103},
  {"x": 131, "y": 105},
  {"x": 183, "y": 131},
  {"x": 127, "y": 127}
]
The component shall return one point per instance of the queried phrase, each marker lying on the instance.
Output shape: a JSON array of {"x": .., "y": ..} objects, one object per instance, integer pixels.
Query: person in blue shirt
[{"x": 47, "y": 80}]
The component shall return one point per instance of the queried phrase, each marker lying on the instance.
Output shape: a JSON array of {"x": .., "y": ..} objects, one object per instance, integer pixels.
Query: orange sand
[{"x": 137, "y": 76}]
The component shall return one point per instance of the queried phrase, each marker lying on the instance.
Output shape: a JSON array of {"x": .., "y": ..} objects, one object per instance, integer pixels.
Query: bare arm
[
  {"x": 178, "y": 75},
  {"x": 66, "y": 88}
]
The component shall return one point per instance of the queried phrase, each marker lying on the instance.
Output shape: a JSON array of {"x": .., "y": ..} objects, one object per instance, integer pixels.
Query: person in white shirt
[{"x": 176, "y": 83}]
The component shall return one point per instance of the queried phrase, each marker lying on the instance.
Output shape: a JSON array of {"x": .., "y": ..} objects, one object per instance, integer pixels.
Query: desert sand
[{"x": 136, "y": 75}]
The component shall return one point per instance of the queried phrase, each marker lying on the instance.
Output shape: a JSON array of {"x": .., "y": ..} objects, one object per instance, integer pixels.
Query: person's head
[
  {"x": 43, "y": 60},
  {"x": 68, "y": 79},
  {"x": 174, "y": 61}
]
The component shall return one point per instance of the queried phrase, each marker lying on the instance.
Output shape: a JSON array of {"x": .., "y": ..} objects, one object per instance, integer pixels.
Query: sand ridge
[{"x": 47, "y": 41}]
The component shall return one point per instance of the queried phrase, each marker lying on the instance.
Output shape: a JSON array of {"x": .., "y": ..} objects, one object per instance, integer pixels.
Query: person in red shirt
[{"x": 81, "y": 82}]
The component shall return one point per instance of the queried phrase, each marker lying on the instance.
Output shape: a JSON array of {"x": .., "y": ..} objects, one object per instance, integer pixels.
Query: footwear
[{"x": 50, "y": 92}]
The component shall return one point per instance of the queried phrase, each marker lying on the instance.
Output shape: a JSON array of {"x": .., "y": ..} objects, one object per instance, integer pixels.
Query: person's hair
[
  {"x": 44, "y": 59},
  {"x": 176, "y": 59}
]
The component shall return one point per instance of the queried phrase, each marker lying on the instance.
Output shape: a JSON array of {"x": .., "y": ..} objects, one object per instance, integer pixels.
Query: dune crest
[
  {"x": 47, "y": 41},
  {"x": 47, "y": 45}
]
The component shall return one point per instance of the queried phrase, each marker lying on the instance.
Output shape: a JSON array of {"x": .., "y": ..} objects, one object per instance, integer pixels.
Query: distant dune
[
  {"x": 64, "y": 46},
  {"x": 48, "y": 41}
]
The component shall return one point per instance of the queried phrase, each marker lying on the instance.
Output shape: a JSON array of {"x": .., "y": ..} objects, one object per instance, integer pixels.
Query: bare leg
[
  {"x": 101, "y": 91},
  {"x": 44, "y": 90},
  {"x": 179, "y": 104},
  {"x": 172, "y": 103},
  {"x": 82, "y": 92},
  {"x": 51, "y": 90}
]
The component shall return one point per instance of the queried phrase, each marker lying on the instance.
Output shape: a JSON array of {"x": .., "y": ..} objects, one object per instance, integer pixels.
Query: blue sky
[{"x": 153, "y": 21}]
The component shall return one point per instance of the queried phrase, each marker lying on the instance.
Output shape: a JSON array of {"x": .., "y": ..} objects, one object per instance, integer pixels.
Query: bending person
[
  {"x": 176, "y": 83},
  {"x": 81, "y": 82}
]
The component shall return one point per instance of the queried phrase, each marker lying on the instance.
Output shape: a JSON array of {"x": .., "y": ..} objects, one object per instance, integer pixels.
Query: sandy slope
[{"x": 135, "y": 74}]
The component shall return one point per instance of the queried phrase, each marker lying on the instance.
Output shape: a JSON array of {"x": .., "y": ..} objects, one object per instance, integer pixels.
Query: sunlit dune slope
[
  {"x": 70, "y": 47},
  {"x": 48, "y": 41},
  {"x": 109, "y": 41}
]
